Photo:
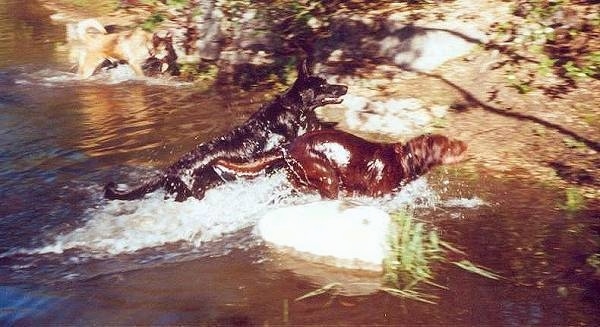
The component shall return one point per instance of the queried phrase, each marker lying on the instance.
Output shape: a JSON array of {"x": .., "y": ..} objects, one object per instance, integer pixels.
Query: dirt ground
[{"x": 548, "y": 139}]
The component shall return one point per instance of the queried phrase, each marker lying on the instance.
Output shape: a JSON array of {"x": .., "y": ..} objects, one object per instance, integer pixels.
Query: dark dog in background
[
  {"x": 164, "y": 58},
  {"x": 272, "y": 126},
  {"x": 333, "y": 162}
]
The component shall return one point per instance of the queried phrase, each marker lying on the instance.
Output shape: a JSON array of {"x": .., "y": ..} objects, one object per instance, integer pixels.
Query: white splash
[
  {"x": 473, "y": 202},
  {"x": 128, "y": 226},
  {"x": 117, "y": 75}
]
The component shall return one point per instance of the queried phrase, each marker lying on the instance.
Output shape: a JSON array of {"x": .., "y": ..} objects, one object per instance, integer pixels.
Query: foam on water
[
  {"x": 117, "y": 75},
  {"x": 127, "y": 226},
  {"x": 473, "y": 202}
]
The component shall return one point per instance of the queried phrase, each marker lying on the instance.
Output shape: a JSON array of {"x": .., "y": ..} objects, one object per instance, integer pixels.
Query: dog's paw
[{"x": 113, "y": 191}]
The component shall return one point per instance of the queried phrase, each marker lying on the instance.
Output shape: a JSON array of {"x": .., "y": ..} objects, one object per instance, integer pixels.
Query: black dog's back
[{"x": 272, "y": 126}]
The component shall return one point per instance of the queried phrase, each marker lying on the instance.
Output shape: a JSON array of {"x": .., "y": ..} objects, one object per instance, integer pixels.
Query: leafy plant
[
  {"x": 594, "y": 262},
  {"x": 521, "y": 85},
  {"x": 412, "y": 248},
  {"x": 550, "y": 38},
  {"x": 413, "y": 252},
  {"x": 152, "y": 22},
  {"x": 574, "y": 201}
]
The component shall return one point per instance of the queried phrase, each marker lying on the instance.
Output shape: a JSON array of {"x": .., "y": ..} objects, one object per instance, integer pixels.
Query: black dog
[{"x": 274, "y": 125}]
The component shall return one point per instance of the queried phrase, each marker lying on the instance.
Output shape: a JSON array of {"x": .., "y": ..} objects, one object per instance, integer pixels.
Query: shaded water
[{"x": 69, "y": 257}]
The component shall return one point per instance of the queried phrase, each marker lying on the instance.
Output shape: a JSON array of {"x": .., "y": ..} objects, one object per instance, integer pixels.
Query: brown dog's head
[
  {"x": 458, "y": 152},
  {"x": 450, "y": 150},
  {"x": 315, "y": 91},
  {"x": 424, "y": 152}
]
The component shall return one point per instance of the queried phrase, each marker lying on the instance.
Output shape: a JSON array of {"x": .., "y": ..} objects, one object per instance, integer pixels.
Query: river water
[{"x": 69, "y": 257}]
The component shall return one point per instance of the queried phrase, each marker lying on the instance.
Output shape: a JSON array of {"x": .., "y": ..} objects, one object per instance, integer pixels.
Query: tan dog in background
[{"x": 91, "y": 45}]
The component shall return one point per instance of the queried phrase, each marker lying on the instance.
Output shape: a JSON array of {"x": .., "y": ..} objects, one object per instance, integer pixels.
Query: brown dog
[
  {"x": 91, "y": 45},
  {"x": 332, "y": 161}
]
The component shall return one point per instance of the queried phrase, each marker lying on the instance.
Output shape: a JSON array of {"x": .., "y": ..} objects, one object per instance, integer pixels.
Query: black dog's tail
[
  {"x": 250, "y": 168},
  {"x": 113, "y": 192}
]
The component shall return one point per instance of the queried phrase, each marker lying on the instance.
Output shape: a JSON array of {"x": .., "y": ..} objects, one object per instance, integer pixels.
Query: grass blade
[
  {"x": 470, "y": 267},
  {"x": 318, "y": 291}
]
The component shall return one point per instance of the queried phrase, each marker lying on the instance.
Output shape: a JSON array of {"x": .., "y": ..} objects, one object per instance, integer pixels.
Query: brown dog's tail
[
  {"x": 248, "y": 169},
  {"x": 113, "y": 192},
  {"x": 424, "y": 152}
]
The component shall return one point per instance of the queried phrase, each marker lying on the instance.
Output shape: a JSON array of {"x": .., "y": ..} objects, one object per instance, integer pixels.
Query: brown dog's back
[{"x": 332, "y": 161}]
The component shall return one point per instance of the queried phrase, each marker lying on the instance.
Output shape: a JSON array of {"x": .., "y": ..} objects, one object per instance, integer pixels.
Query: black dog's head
[{"x": 314, "y": 91}]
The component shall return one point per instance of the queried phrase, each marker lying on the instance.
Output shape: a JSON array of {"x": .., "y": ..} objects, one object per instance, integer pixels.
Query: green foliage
[
  {"x": 574, "y": 201},
  {"x": 177, "y": 3},
  {"x": 152, "y": 22},
  {"x": 557, "y": 37},
  {"x": 521, "y": 85},
  {"x": 198, "y": 72},
  {"x": 594, "y": 262},
  {"x": 573, "y": 144},
  {"x": 413, "y": 252},
  {"x": 412, "y": 249},
  {"x": 589, "y": 68},
  {"x": 546, "y": 65}
]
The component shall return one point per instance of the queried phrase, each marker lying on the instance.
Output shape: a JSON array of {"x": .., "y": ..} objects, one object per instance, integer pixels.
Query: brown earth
[
  {"x": 541, "y": 137},
  {"x": 510, "y": 134}
]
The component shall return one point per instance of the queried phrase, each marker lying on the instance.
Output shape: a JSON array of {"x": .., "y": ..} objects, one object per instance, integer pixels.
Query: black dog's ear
[{"x": 303, "y": 70}]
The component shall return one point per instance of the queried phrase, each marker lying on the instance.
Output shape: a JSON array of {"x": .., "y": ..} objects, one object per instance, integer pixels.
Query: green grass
[
  {"x": 152, "y": 22},
  {"x": 594, "y": 262},
  {"x": 574, "y": 200},
  {"x": 414, "y": 250}
]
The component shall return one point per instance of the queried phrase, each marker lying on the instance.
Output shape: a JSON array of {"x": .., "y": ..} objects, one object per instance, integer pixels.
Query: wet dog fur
[
  {"x": 272, "y": 126},
  {"x": 333, "y": 162}
]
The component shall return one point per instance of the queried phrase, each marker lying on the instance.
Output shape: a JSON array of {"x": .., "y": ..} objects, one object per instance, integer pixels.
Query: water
[{"x": 69, "y": 257}]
